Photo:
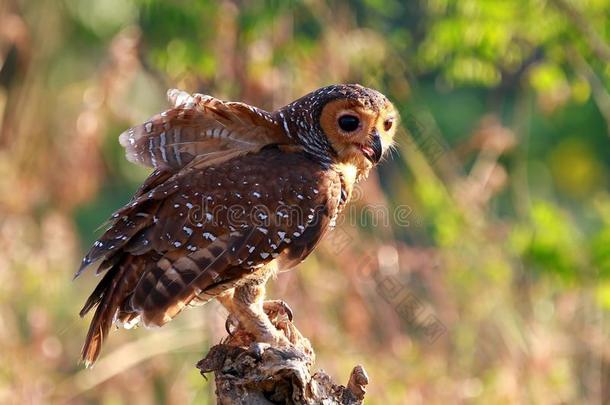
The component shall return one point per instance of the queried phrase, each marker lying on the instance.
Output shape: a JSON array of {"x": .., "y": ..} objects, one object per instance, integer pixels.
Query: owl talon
[
  {"x": 277, "y": 307},
  {"x": 231, "y": 322}
]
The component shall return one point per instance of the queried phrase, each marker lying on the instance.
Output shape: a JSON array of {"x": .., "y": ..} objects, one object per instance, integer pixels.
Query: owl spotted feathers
[{"x": 237, "y": 194}]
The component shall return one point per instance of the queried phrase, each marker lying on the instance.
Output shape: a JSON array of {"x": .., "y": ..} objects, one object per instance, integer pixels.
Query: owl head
[{"x": 342, "y": 124}]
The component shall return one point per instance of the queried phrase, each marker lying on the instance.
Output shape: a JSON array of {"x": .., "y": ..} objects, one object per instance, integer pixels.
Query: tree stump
[{"x": 248, "y": 372}]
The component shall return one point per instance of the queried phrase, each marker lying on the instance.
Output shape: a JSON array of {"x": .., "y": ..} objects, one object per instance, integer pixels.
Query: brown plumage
[{"x": 237, "y": 194}]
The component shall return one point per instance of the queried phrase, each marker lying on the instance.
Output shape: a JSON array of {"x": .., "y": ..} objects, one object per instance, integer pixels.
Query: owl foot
[
  {"x": 277, "y": 311},
  {"x": 275, "y": 333},
  {"x": 277, "y": 308},
  {"x": 274, "y": 325},
  {"x": 280, "y": 315},
  {"x": 231, "y": 324}
]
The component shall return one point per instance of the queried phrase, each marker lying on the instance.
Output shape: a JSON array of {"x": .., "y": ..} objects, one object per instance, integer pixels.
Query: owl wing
[
  {"x": 200, "y": 125},
  {"x": 188, "y": 237}
]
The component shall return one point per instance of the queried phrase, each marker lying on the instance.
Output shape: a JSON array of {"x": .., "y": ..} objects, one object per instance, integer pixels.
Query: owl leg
[{"x": 246, "y": 305}]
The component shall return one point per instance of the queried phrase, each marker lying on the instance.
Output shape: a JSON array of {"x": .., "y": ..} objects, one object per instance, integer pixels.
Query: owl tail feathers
[
  {"x": 106, "y": 298},
  {"x": 98, "y": 330},
  {"x": 92, "y": 347},
  {"x": 102, "y": 320}
]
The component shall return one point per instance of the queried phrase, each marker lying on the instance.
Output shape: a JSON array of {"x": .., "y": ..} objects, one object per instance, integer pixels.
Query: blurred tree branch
[
  {"x": 600, "y": 49},
  {"x": 584, "y": 26},
  {"x": 600, "y": 95}
]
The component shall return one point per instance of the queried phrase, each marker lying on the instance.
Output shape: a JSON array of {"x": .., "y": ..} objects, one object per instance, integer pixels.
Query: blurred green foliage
[{"x": 502, "y": 164}]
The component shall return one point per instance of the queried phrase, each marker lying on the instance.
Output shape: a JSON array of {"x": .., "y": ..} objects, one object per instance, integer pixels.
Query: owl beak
[{"x": 373, "y": 149}]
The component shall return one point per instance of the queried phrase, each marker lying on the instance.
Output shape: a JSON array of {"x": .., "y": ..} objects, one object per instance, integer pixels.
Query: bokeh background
[{"x": 473, "y": 267}]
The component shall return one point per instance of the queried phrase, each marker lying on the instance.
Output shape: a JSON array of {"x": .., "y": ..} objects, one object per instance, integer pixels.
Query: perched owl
[{"x": 236, "y": 195}]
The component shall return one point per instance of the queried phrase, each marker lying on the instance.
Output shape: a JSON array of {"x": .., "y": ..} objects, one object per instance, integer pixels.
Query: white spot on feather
[{"x": 162, "y": 147}]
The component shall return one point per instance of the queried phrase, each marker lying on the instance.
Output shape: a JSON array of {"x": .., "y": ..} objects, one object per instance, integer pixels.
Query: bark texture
[{"x": 248, "y": 372}]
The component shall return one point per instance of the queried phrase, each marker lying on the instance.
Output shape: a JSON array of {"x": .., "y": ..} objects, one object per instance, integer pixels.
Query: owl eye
[
  {"x": 387, "y": 124},
  {"x": 349, "y": 123}
]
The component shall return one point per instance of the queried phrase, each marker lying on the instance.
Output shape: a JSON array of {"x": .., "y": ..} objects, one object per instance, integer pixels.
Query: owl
[{"x": 237, "y": 194}]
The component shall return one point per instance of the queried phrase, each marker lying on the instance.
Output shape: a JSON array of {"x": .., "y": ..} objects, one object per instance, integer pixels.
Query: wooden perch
[{"x": 248, "y": 372}]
